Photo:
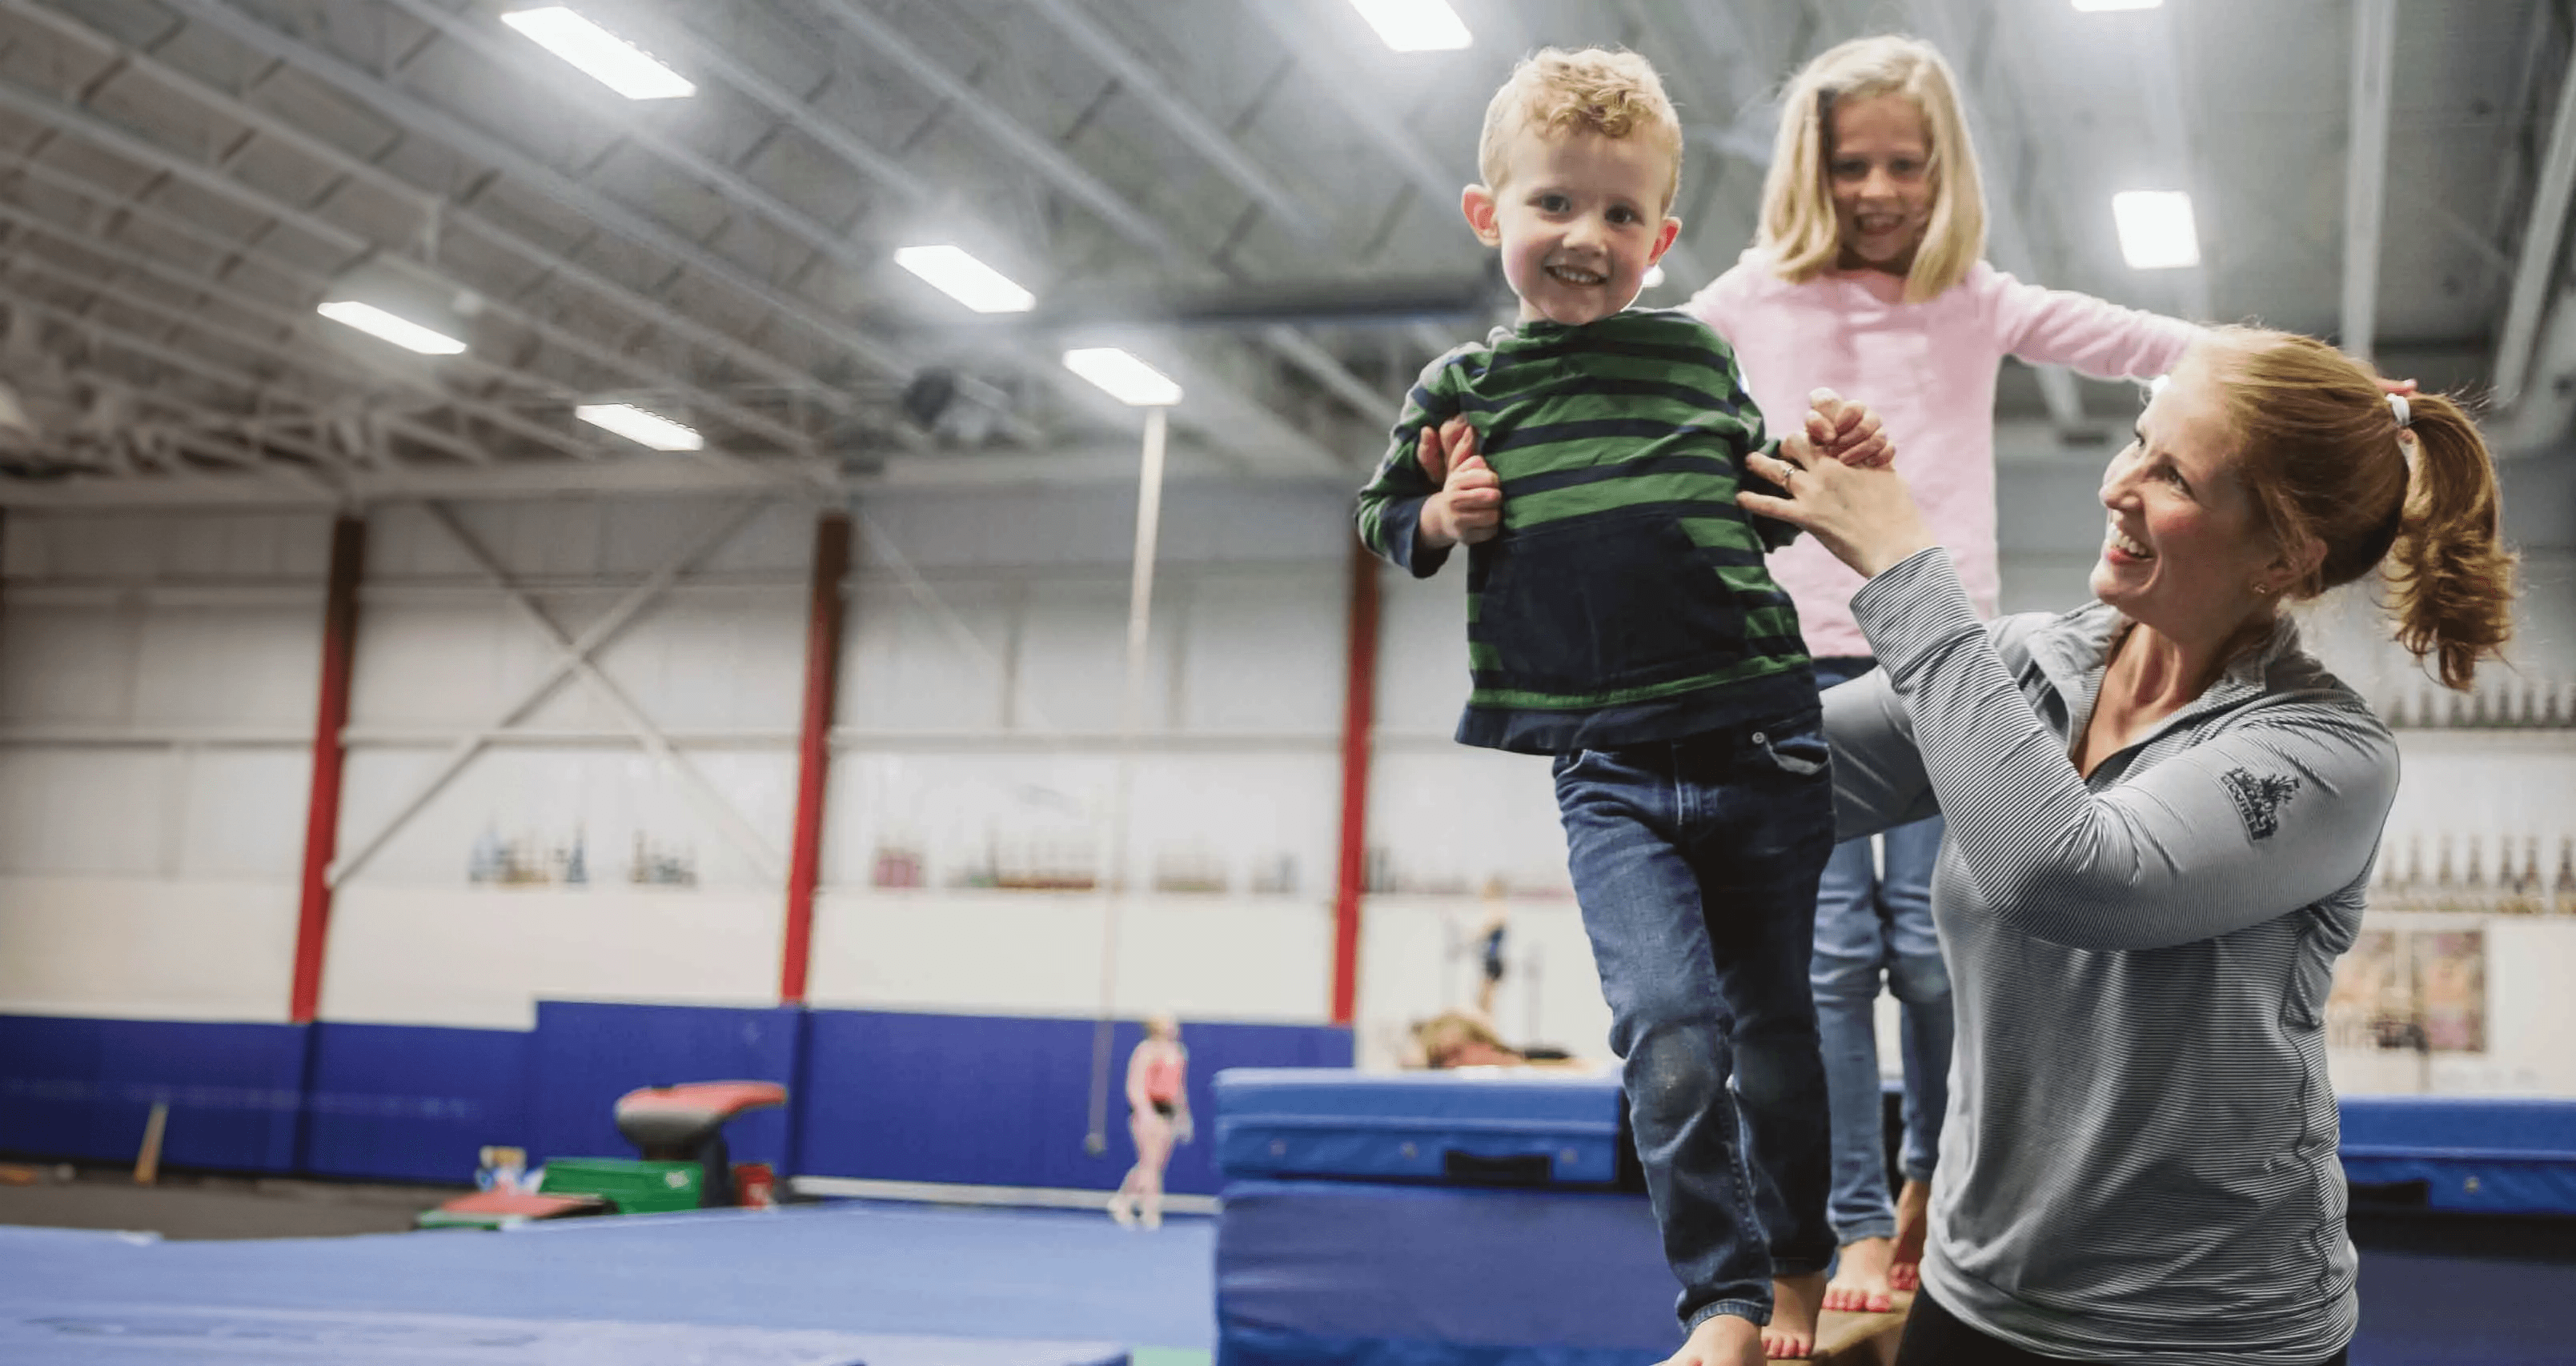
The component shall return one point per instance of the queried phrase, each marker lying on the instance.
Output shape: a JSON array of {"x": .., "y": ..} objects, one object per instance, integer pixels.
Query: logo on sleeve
[{"x": 2259, "y": 800}]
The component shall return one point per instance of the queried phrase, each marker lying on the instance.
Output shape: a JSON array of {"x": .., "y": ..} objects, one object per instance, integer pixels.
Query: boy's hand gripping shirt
[{"x": 1624, "y": 599}]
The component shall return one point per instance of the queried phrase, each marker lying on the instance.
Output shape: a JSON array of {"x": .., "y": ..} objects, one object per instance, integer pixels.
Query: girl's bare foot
[
  {"x": 1720, "y": 1340},
  {"x": 1791, "y": 1335},
  {"x": 1860, "y": 1283},
  {"x": 1913, "y": 1220}
]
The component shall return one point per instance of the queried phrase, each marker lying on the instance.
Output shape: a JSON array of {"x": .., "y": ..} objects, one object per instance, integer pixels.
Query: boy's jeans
[
  {"x": 1874, "y": 916},
  {"x": 1696, "y": 865}
]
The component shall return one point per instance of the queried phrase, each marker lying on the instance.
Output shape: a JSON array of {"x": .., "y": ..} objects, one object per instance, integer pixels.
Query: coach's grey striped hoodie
[{"x": 2139, "y": 1160}]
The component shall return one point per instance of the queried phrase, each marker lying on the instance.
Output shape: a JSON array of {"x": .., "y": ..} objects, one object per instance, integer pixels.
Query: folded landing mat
[
  {"x": 1468, "y": 1127},
  {"x": 1337, "y": 1273},
  {"x": 2472, "y": 1153},
  {"x": 1373, "y": 1274}
]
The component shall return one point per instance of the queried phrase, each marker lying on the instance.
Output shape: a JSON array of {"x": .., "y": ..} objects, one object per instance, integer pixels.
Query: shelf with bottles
[
  {"x": 2501, "y": 700},
  {"x": 2463, "y": 877}
]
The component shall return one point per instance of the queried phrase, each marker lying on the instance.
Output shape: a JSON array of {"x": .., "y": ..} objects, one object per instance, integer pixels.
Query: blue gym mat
[{"x": 887, "y": 1285}]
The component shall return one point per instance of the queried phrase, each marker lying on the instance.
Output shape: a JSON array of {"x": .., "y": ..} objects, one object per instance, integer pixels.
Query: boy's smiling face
[{"x": 1579, "y": 218}]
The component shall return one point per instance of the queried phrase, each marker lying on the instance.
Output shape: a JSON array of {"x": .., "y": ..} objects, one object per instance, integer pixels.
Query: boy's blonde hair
[
  {"x": 1798, "y": 225},
  {"x": 1553, "y": 91}
]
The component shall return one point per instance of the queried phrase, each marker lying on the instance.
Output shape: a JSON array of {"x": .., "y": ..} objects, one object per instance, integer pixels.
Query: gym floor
[{"x": 217, "y": 1269}]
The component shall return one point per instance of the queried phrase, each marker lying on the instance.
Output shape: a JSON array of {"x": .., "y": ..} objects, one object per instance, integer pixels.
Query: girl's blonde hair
[
  {"x": 2323, "y": 455},
  {"x": 1798, "y": 226}
]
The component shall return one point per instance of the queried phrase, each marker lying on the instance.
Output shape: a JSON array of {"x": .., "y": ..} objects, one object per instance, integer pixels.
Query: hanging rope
[{"x": 1131, "y": 708}]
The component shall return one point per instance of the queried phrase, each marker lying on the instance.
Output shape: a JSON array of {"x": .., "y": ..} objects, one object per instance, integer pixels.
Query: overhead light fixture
[
  {"x": 2095, "y": 6},
  {"x": 1415, "y": 25},
  {"x": 1125, "y": 378},
  {"x": 960, "y": 276},
  {"x": 603, "y": 56},
  {"x": 2156, "y": 231},
  {"x": 637, "y": 425},
  {"x": 402, "y": 332},
  {"x": 1654, "y": 276}
]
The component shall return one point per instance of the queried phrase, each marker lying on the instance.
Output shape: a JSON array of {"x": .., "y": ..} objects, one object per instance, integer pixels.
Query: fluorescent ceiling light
[
  {"x": 635, "y": 424},
  {"x": 1415, "y": 25},
  {"x": 2092, "y": 5},
  {"x": 1654, "y": 276},
  {"x": 402, "y": 332},
  {"x": 2156, "y": 232},
  {"x": 1128, "y": 380},
  {"x": 603, "y": 56},
  {"x": 965, "y": 279}
]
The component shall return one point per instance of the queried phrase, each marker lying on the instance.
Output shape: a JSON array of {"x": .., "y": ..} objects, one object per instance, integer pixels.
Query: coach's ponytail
[{"x": 2408, "y": 482}]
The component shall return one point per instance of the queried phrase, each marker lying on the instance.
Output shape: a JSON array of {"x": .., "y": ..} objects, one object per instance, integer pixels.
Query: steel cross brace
[{"x": 574, "y": 660}]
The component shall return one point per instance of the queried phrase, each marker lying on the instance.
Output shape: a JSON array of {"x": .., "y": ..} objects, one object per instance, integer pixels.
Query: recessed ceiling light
[
  {"x": 1127, "y": 379},
  {"x": 1415, "y": 25},
  {"x": 402, "y": 332},
  {"x": 963, "y": 278},
  {"x": 2156, "y": 231},
  {"x": 603, "y": 56},
  {"x": 635, "y": 424}
]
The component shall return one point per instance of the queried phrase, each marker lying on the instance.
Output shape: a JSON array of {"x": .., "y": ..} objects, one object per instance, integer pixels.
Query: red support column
[
  {"x": 1358, "y": 716},
  {"x": 814, "y": 747},
  {"x": 322, "y": 810}
]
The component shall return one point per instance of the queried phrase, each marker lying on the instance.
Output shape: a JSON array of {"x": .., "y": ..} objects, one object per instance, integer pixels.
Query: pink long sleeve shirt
[{"x": 1929, "y": 371}]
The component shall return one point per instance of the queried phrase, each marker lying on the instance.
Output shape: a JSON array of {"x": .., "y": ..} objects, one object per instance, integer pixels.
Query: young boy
[{"x": 1619, "y": 617}]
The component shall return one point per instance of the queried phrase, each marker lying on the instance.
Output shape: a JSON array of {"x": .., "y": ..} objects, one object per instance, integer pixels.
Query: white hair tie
[{"x": 2401, "y": 410}]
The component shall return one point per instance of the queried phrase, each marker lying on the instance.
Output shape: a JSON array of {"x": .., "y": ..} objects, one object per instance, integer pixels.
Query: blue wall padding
[
  {"x": 979, "y": 1100},
  {"x": 587, "y": 1054},
  {"x": 2486, "y": 1154},
  {"x": 1369, "y": 1274},
  {"x": 988, "y": 1100},
  {"x": 414, "y": 1102},
  {"x": 83, "y": 1088}
]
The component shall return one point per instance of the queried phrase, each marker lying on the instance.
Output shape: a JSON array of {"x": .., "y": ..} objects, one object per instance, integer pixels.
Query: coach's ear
[{"x": 1477, "y": 203}]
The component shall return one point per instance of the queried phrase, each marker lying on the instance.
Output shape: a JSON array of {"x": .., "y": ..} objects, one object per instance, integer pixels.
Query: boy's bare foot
[
  {"x": 1720, "y": 1340},
  {"x": 1791, "y": 1335},
  {"x": 1913, "y": 1220},
  {"x": 1860, "y": 1283},
  {"x": 1121, "y": 1211}
]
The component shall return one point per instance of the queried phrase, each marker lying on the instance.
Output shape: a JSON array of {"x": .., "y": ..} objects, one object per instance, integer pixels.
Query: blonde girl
[{"x": 1869, "y": 278}]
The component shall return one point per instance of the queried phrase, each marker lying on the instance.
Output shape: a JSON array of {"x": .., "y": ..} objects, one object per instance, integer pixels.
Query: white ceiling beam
[
  {"x": 261, "y": 390},
  {"x": 130, "y": 146},
  {"x": 188, "y": 320},
  {"x": 2536, "y": 265},
  {"x": 447, "y": 215},
  {"x": 2365, "y": 182},
  {"x": 976, "y": 107},
  {"x": 1061, "y": 170},
  {"x": 529, "y": 173},
  {"x": 1150, "y": 88}
]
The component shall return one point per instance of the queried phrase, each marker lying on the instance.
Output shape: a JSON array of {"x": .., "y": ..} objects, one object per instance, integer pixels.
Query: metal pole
[
  {"x": 814, "y": 746},
  {"x": 322, "y": 808},
  {"x": 1131, "y": 707},
  {"x": 1359, "y": 699}
]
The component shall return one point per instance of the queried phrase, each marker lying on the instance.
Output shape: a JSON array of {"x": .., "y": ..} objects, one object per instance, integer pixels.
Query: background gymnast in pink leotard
[{"x": 1158, "y": 1116}]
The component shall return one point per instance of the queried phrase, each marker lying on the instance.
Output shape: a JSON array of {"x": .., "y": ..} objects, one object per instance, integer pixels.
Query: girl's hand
[
  {"x": 1847, "y": 431},
  {"x": 1866, "y": 517}
]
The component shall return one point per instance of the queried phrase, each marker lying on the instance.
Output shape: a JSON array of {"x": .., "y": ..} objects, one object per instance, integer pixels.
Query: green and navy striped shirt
[{"x": 1625, "y": 599}]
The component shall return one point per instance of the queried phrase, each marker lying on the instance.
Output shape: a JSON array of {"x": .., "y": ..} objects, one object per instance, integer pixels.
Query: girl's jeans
[
  {"x": 1874, "y": 918},
  {"x": 1696, "y": 865}
]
